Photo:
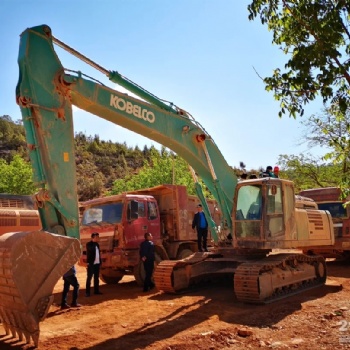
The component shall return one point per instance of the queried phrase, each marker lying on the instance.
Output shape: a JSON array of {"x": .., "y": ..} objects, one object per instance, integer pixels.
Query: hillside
[{"x": 99, "y": 163}]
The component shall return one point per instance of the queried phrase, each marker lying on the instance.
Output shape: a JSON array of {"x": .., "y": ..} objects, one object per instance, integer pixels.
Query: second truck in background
[
  {"x": 18, "y": 213},
  {"x": 329, "y": 198},
  {"x": 166, "y": 211}
]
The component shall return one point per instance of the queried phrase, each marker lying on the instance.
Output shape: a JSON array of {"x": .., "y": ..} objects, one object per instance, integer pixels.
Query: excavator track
[
  {"x": 31, "y": 263},
  {"x": 173, "y": 276},
  {"x": 278, "y": 276}
]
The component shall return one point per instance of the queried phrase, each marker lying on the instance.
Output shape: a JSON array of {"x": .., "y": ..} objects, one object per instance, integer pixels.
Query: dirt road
[{"x": 208, "y": 317}]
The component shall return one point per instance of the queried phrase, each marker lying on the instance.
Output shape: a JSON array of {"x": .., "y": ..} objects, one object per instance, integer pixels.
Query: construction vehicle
[
  {"x": 329, "y": 198},
  {"x": 257, "y": 215},
  {"x": 122, "y": 222},
  {"x": 18, "y": 213}
]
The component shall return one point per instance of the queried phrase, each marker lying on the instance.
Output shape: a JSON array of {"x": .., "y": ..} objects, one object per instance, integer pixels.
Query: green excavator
[{"x": 259, "y": 215}]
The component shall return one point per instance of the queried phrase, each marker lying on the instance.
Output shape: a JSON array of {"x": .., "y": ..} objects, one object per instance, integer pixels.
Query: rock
[
  {"x": 277, "y": 344},
  {"x": 244, "y": 332},
  {"x": 207, "y": 333}
]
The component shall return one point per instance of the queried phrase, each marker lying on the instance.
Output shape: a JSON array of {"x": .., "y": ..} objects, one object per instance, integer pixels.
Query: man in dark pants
[
  {"x": 93, "y": 256},
  {"x": 147, "y": 255},
  {"x": 70, "y": 279},
  {"x": 201, "y": 224}
]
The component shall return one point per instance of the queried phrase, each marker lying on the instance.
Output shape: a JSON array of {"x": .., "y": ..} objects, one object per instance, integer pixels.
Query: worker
[
  {"x": 201, "y": 224},
  {"x": 268, "y": 172},
  {"x": 93, "y": 257},
  {"x": 147, "y": 255},
  {"x": 276, "y": 171},
  {"x": 70, "y": 279},
  {"x": 244, "y": 176}
]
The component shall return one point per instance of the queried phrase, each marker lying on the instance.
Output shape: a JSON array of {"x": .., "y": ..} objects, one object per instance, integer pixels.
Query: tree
[
  {"x": 164, "y": 167},
  {"x": 16, "y": 177},
  {"x": 331, "y": 128},
  {"x": 308, "y": 172},
  {"x": 316, "y": 36},
  {"x": 12, "y": 138}
]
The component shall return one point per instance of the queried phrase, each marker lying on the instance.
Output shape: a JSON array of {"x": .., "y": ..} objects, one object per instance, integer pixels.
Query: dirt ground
[{"x": 208, "y": 317}]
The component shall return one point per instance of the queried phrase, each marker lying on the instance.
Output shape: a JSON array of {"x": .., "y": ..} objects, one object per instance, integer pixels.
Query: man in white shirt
[{"x": 93, "y": 256}]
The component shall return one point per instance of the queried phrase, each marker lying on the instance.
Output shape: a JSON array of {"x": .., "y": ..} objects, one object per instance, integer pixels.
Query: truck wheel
[
  {"x": 111, "y": 278},
  {"x": 184, "y": 253},
  {"x": 139, "y": 271}
]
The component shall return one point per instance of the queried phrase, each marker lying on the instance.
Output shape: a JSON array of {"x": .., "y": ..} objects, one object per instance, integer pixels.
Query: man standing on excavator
[
  {"x": 201, "y": 224},
  {"x": 147, "y": 255}
]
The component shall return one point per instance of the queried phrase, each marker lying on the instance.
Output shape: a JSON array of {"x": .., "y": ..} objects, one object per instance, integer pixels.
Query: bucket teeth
[
  {"x": 20, "y": 325},
  {"x": 7, "y": 329},
  {"x": 27, "y": 336},
  {"x": 13, "y": 332},
  {"x": 25, "y": 300},
  {"x": 20, "y": 334}
]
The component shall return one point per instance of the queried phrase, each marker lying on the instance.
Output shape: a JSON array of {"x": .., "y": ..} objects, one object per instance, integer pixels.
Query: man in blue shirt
[
  {"x": 147, "y": 255},
  {"x": 201, "y": 224}
]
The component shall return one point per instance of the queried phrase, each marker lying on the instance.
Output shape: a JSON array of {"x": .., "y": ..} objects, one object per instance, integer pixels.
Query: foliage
[
  {"x": 12, "y": 138},
  {"x": 308, "y": 172},
  {"x": 332, "y": 128},
  {"x": 315, "y": 35},
  {"x": 164, "y": 167},
  {"x": 98, "y": 162},
  {"x": 16, "y": 177}
]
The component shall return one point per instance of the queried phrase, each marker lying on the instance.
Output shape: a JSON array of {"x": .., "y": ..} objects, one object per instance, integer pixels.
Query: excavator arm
[
  {"x": 33, "y": 261},
  {"x": 46, "y": 91}
]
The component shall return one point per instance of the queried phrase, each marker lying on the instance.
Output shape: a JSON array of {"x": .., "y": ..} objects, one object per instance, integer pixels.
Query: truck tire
[
  {"x": 184, "y": 253},
  {"x": 111, "y": 277},
  {"x": 139, "y": 271}
]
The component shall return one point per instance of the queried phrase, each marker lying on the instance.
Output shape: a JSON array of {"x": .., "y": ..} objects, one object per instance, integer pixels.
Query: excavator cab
[
  {"x": 267, "y": 215},
  {"x": 258, "y": 207}
]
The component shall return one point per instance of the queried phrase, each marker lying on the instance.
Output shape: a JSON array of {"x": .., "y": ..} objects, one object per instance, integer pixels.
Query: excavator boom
[
  {"x": 45, "y": 94},
  {"x": 48, "y": 92}
]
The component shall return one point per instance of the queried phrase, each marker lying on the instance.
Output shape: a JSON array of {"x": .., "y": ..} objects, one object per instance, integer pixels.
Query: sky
[{"x": 203, "y": 55}]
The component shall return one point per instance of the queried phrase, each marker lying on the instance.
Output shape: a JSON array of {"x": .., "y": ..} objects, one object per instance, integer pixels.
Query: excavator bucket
[{"x": 31, "y": 263}]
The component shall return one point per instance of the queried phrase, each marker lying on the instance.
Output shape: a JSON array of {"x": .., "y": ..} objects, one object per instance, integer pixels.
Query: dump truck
[
  {"x": 18, "y": 213},
  {"x": 258, "y": 215},
  {"x": 329, "y": 198},
  {"x": 166, "y": 211}
]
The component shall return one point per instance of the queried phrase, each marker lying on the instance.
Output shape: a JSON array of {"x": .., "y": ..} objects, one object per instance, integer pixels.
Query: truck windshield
[
  {"x": 335, "y": 208},
  {"x": 110, "y": 213}
]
